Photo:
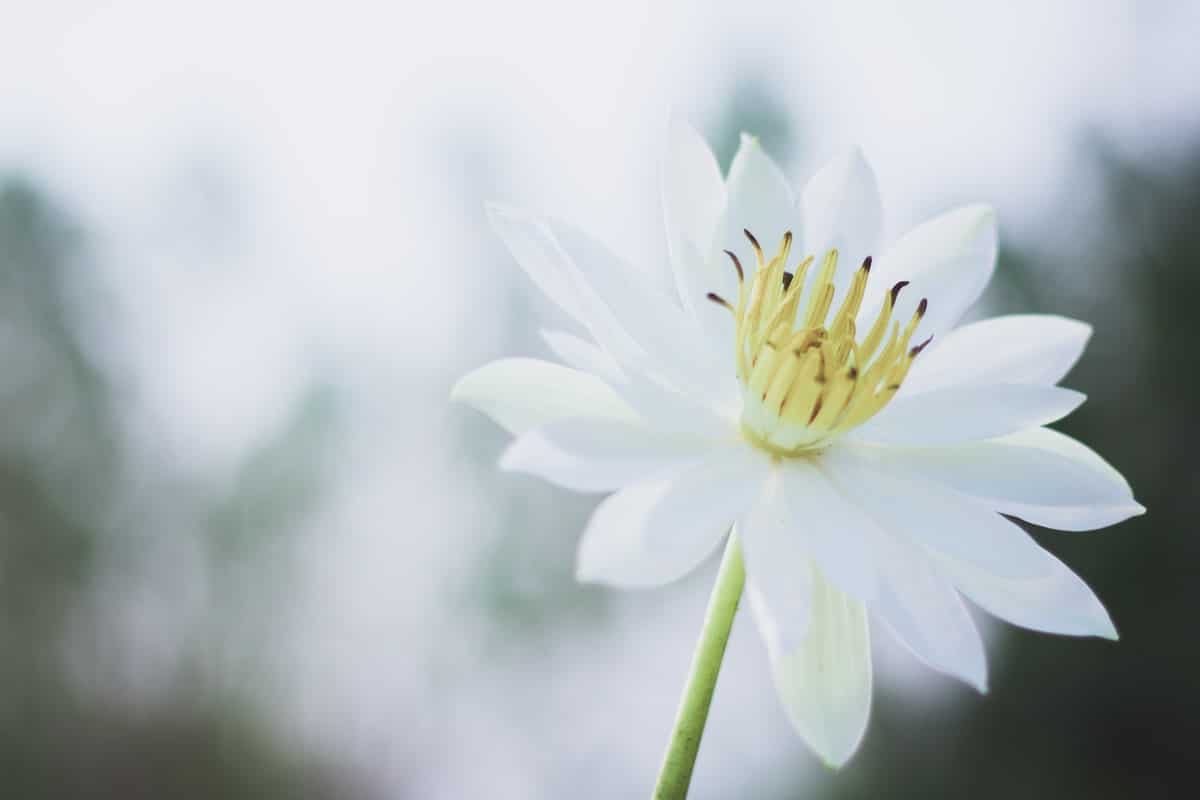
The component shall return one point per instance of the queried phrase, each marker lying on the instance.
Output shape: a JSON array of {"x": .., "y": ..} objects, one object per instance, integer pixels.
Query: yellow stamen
[{"x": 808, "y": 378}]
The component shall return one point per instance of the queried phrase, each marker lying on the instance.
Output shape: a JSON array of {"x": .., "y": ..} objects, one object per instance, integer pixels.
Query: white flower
[{"x": 786, "y": 393}]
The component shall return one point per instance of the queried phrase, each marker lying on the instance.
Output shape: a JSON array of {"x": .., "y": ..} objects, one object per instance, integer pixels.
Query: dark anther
[
  {"x": 913, "y": 353},
  {"x": 736, "y": 265},
  {"x": 753, "y": 241},
  {"x": 866, "y": 265},
  {"x": 721, "y": 301},
  {"x": 924, "y": 304},
  {"x": 896, "y": 290},
  {"x": 787, "y": 280}
]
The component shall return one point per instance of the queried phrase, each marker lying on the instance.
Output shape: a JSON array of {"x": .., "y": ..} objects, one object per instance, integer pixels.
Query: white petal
[
  {"x": 593, "y": 455},
  {"x": 842, "y": 209},
  {"x": 693, "y": 196},
  {"x": 967, "y": 413},
  {"x": 936, "y": 518},
  {"x": 624, "y": 313},
  {"x": 777, "y": 562},
  {"x": 656, "y": 532},
  {"x": 1064, "y": 445},
  {"x": 521, "y": 393},
  {"x": 948, "y": 260},
  {"x": 1021, "y": 348},
  {"x": 674, "y": 409},
  {"x": 581, "y": 354},
  {"x": 1025, "y": 474},
  {"x": 833, "y": 530},
  {"x": 825, "y": 682},
  {"x": 1060, "y": 602},
  {"x": 535, "y": 250},
  {"x": 760, "y": 200},
  {"x": 653, "y": 319},
  {"x": 922, "y": 609}
]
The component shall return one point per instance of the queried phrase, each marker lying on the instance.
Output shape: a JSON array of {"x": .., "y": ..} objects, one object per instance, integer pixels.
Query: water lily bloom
[{"x": 793, "y": 378}]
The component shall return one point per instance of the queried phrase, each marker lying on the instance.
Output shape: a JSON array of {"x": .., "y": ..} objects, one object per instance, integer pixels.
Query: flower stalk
[{"x": 676, "y": 772}]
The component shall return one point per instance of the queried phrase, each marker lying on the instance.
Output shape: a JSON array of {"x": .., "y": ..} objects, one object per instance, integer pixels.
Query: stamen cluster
[{"x": 805, "y": 378}]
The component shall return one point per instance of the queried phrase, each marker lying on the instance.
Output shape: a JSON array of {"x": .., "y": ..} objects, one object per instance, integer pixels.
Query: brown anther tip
[
  {"x": 716, "y": 298},
  {"x": 924, "y": 304},
  {"x": 787, "y": 237},
  {"x": 753, "y": 241},
  {"x": 896, "y": 290},
  {"x": 913, "y": 353},
  {"x": 866, "y": 265},
  {"x": 737, "y": 265},
  {"x": 852, "y": 374},
  {"x": 787, "y": 280}
]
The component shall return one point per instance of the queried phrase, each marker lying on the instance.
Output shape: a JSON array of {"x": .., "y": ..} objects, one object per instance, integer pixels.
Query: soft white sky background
[{"x": 280, "y": 193}]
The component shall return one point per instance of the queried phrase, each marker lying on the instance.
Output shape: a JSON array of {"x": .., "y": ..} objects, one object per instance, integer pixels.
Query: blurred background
[{"x": 248, "y": 549}]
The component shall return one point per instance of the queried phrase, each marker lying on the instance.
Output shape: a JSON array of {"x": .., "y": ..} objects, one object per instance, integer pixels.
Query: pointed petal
[
  {"x": 651, "y": 318},
  {"x": 1064, "y": 445},
  {"x": 656, "y": 532},
  {"x": 948, "y": 260},
  {"x": 842, "y": 209},
  {"x": 619, "y": 307},
  {"x": 598, "y": 455},
  {"x": 938, "y": 519},
  {"x": 693, "y": 196},
  {"x": 521, "y": 393},
  {"x": 760, "y": 200},
  {"x": 924, "y": 612},
  {"x": 1032, "y": 475},
  {"x": 967, "y": 413},
  {"x": 1059, "y": 602},
  {"x": 825, "y": 682},
  {"x": 1020, "y": 348}
]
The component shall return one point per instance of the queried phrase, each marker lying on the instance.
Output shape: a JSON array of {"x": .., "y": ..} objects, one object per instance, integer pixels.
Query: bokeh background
[{"x": 248, "y": 549}]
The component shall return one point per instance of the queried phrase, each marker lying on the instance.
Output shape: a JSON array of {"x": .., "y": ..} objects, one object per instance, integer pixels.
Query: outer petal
[
  {"x": 625, "y": 314},
  {"x": 936, "y": 518},
  {"x": 842, "y": 210},
  {"x": 665, "y": 407},
  {"x": 922, "y": 610},
  {"x": 581, "y": 354},
  {"x": 1060, "y": 602},
  {"x": 967, "y": 413},
  {"x": 760, "y": 200},
  {"x": 1021, "y": 348},
  {"x": 693, "y": 195},
  {"x": 1033, "y": 475},
  {"x": 948, "y": 260},
  {"x": 825, "y": 682},
  {"x": 521, "y": 393},
  {"x": 652, "y": 318},
  {"x": 655, "y": 532},
  {"x": 597, "y": 455}
]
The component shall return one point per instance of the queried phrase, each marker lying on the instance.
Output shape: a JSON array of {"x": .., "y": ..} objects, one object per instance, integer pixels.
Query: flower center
[{"x": 805, "y": 378}]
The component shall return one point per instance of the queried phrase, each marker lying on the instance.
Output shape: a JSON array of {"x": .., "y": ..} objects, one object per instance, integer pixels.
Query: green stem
[{"x": 676, "y": 772}]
